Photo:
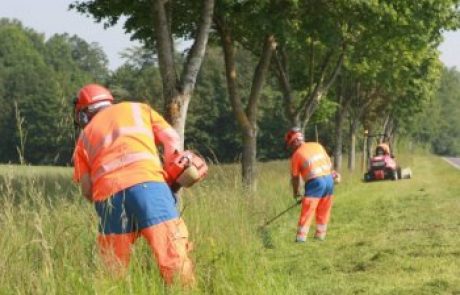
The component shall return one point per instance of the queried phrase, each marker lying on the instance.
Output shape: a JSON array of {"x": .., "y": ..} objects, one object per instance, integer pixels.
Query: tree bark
[
  {"x": 250, "y": 138},
  {"x": 177, "y": 93},
  {"x": 369, "y": 143},
  {"x": 286, "y": 89},
  {"x": 338, "y": 144},
  {"x": 352, "y": 148},
  {"x": 344, "y": 100},
  {"x": 357, "y": 107},
  {"x": 249, "y": 160},
  {"x": 166, "y": 57},
  {"x": 246, "y": 117}
]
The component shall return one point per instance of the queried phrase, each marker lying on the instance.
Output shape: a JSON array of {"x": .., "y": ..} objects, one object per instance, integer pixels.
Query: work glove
[
  {"x": 298, "y": 197},
  {"x": 336, "y": 176}
]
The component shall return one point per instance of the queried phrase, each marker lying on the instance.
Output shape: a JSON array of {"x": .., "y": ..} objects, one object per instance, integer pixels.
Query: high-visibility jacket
[
  {"x": 310, "y": 161},
  {"x": 117, "y": 148}
]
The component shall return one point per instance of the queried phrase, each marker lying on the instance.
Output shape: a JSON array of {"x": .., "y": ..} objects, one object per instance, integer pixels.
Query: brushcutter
[
  {"x": 184, "y": 170},
  {"x": 280, "y": 214}
]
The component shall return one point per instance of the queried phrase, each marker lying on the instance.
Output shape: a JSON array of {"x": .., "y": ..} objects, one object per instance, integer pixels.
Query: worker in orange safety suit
[
  {"x": 119, "y": 169},
  {"x": 310, "y": 163}
]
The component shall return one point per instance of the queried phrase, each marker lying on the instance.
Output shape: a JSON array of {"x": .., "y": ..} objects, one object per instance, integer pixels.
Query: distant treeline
[{"x": 39, "y": 77}]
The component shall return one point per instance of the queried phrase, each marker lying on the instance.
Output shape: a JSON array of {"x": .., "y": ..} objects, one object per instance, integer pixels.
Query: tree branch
[
  {"x": 283, "y": 80},
  {"x": 197, "y": 52},
  {"x": 311, "y": 101},
  {"x": 320, "y": 89},
  {"x": 165, "y": 50},
  {"x": 231, "y": 73},
  {"x": 259, "y": 77}
]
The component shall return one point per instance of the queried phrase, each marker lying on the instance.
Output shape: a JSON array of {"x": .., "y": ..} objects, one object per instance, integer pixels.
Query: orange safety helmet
[
  {"x": 90, "y": 94},
  {"x": 292, "y": 135}
]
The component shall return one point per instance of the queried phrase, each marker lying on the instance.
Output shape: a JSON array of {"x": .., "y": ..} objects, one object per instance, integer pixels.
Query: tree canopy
[{"x": 373, "y": 64}]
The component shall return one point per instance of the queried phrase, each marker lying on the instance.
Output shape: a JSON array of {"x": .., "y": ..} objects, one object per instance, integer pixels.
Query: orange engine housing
[{"x": 185, "y": 169}]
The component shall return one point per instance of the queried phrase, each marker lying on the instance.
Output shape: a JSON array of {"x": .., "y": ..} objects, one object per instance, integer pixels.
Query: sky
[{"x": 52, "y": 16}]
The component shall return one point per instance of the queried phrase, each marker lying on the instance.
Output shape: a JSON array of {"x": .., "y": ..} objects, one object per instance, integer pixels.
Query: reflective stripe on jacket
[
  {"x": 310, "y": 161},
  {"x": 117, "y": 148}
]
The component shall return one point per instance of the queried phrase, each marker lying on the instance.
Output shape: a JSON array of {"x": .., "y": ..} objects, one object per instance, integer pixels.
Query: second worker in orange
[{"x": 310, "y": 163}]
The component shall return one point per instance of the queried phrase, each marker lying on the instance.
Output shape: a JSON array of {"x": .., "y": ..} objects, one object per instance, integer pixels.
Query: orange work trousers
[
  {"x": 319, "y": 207},
  {"x": 169, "y": 243}
]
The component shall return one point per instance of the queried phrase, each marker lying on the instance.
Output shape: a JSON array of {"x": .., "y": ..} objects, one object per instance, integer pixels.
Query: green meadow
[{"x": 393, "y": 237}]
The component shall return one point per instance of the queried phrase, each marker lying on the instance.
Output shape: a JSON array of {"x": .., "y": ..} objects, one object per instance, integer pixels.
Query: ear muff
[{"x": 83, "y": 118}]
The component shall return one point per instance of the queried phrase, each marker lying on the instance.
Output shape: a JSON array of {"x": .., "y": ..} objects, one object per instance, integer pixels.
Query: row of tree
[
  {"x": 385, "y": 48},
  {"x": 37, "y": 79},
  {"x": 269, "y": 65}
]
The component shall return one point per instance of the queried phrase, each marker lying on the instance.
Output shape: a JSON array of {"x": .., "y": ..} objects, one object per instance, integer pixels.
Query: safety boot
[
  {"x": 320, "y": 233},
  {"x": 320, "y": 238},
  {"x": 301, "y": 239}
]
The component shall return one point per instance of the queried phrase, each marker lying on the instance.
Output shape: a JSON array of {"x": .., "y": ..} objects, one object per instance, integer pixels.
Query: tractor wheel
[{"x": 367, "y": 177}]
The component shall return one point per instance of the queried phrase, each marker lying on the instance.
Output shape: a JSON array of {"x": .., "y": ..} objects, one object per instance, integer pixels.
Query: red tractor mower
[{"x": 382, "y": 165}]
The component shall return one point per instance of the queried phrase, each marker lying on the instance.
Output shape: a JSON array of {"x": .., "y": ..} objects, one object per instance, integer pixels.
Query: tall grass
[{"x": 385, "y": 237}]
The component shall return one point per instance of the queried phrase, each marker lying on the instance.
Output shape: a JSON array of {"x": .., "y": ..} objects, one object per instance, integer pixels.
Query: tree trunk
[
  {"x": 281, "y": 73},
  {"x": 352, "y": 149},
  {"x": 249, "y": 161},
  {"x": 166, "y": 60},
  {"x": 344, "y": 94},
  {"x": 339, "y": 121},
  {"x": 177, "y": 93},
  {"x": 250, "y": 136},
  {"x": 339, "y": 118},
  {"x": 178, "y": 121},
  {"x": 246, "y": 117},
  {"x": 369, "y": 144}
]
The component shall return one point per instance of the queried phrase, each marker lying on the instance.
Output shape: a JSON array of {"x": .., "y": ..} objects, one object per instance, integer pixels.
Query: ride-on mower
[{"x": 382, "y": 166}]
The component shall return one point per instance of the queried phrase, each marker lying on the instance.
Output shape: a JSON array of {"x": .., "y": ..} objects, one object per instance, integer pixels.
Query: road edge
[{"x": 451, "y": 163}]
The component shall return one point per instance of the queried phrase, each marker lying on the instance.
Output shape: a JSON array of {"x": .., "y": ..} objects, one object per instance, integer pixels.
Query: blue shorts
[
  {"x": 320, "y": 187},
  {"x": 135, "y": 208}
]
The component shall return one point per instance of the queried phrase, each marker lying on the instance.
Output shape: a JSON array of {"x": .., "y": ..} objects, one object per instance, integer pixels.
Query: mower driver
[
  {"x": 310, "y": 162},
  {"x": 382, "y": 150},
  {"x": 118, "y": 167}
]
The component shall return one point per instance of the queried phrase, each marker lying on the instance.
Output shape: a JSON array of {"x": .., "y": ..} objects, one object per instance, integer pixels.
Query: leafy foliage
[
  {"x": 41, "y": 77},
  {"x": 437, "y": 124},
  {"x": 391, "y": 55}
]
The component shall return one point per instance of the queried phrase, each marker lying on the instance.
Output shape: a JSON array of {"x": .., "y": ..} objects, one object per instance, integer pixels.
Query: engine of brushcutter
[{"x": 184, "y": 170}]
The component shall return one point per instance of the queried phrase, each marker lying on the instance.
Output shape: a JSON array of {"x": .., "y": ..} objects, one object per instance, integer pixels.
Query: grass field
[{"x": 384, "y": 238}]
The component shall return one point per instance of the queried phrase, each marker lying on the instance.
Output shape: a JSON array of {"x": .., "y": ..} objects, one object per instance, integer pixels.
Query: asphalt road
[{"x": 453, "y": 161}]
